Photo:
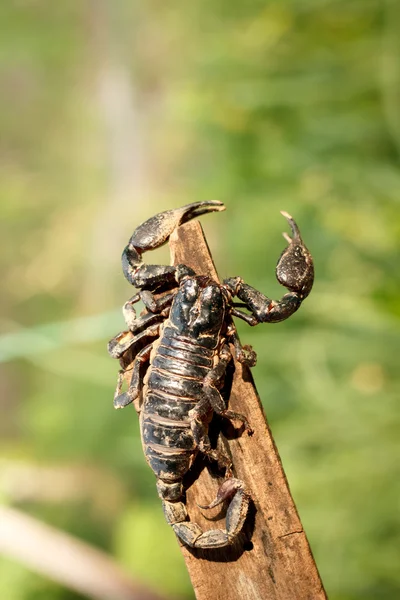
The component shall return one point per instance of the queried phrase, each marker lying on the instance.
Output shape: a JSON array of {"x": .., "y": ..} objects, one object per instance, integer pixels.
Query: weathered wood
[{"x": 271, "y": 559}]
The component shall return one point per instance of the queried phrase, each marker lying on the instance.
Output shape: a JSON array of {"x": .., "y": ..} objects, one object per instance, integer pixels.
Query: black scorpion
[{"x": 180, "y": 349}]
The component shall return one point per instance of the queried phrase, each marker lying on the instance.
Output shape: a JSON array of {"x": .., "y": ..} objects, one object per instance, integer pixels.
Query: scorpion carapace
[{"x": 177, "y": 352}]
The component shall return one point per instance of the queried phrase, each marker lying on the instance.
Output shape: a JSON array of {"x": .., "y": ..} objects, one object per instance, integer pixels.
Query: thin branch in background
[{"x": 66, "y": 560}]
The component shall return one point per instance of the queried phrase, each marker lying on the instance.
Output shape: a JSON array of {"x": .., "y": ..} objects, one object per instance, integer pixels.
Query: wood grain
[{"x": 271, "y": 559}]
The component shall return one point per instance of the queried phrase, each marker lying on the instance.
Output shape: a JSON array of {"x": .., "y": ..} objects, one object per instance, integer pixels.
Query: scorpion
[{"x": 176, "y": 353}]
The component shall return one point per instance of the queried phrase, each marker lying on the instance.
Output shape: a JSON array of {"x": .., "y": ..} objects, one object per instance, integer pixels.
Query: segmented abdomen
[{"x": 174, "y": 386}]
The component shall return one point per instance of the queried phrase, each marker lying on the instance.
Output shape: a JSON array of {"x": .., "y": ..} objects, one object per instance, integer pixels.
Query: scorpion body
[
  {"x": 175, "y": 380},
  {"x": 182, "y": 343}
]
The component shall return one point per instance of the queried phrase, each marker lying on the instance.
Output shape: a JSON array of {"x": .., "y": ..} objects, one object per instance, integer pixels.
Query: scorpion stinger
[{"x": 177, "y": 353}]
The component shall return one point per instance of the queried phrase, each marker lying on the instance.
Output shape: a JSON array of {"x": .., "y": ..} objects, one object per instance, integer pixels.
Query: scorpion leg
[
  {"x": 200, "y": 415},
  {"x": 129, "y": 312},
  {"x": 126, "y": 340},
  {"x": 199, "y": 418},
  {"x": 218, "y": 406},
  {"x": 213, "y": 401},
  {"x": 155, "y": 306},
  {"x": 152, "y": 234},
  {"x": 212, "y": 394},
  {"x": 244, "y": 354},
  {"x": 135, "y": 386},
  {"x": 128, "y": 347},
  {"x": 295, "y": 271}
]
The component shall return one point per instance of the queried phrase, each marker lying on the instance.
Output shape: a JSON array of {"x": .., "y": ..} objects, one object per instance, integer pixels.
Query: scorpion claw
[
  {"x": 295, "y": 269},
  {"x": 293, "y": 227},
  {"x": 199, "y": 208},
  {"x": 154, "y": 233}
]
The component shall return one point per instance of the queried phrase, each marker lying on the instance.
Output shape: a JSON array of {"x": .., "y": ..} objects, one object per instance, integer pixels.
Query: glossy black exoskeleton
[{"x": 180, "y": 349}]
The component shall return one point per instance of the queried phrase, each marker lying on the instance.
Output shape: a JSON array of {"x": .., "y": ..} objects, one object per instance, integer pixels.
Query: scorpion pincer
[{"x": 177, "y": 352}]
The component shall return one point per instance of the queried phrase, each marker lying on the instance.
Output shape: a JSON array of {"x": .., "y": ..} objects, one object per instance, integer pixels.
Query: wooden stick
[{"x": 271, "y": 559}]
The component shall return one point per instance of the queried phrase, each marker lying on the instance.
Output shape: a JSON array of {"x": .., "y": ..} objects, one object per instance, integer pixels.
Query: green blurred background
[{"x": 113, "y": 110}]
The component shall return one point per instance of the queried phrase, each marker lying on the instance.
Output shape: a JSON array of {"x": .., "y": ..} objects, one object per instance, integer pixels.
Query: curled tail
[{"x": 192, "y": 535}]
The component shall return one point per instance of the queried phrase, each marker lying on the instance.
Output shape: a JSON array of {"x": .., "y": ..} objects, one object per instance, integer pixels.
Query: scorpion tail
[
  {"x": 192, "y": 535},
  {"x": 152, "y": 234}
]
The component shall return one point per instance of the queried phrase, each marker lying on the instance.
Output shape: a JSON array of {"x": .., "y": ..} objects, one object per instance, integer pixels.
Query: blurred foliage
[{"x": 112, "y": 111}]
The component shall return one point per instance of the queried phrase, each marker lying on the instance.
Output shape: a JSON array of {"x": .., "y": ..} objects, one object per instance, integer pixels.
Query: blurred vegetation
[{"x": 112, "y": 111}]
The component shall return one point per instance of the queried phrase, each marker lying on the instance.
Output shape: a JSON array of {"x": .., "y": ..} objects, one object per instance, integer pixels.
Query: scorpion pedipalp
[
  {"x": 295, "y": 271},
  {"x": 154, "y": 233}
]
